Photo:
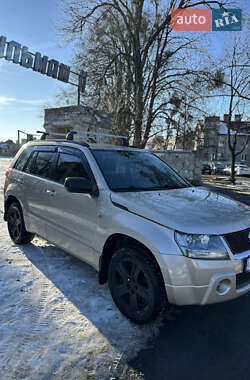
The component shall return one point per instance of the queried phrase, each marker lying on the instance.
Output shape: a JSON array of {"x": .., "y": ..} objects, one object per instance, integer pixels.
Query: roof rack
[
  {"x": 70, "y": 135},
  {"x": 88, "y": 135},
  {"x": 44, "y": 134}
]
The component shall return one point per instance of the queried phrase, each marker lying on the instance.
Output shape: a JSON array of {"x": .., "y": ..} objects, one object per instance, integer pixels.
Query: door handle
[
  {"x": 20, "y": 180},
  {"x": 51, "y": 192}
]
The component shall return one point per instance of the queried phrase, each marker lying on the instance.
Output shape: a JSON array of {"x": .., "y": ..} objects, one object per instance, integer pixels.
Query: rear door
[
  {"x": 36, "y": 176},
  {"x": 72, "y": 217},
  {"x": 18, "y": 181}
]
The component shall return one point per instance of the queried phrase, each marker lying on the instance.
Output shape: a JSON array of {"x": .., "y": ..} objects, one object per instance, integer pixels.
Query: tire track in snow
[{"x": 35, "y": 313}]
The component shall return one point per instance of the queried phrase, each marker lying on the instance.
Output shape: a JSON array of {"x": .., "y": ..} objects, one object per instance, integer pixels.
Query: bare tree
[
  {"x": 139, "y": 62},
  {"x": 233, "y": 79}
]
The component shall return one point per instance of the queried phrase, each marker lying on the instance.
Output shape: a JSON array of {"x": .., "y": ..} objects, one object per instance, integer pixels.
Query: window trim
[
  {"x": 30, "y": 150},
  {"x": 73, "y": 152},
  {"x": 36, "y": 153},
  {"x": 46, "y": 148},
  {"x": 32, "y": 157},
  {"x": 56, "y": 150}
]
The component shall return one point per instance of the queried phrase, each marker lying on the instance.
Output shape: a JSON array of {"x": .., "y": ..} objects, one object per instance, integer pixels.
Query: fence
[{"x": 186, "y": 162}]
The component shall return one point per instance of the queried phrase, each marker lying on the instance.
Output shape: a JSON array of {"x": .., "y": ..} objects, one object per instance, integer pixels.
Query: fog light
[{"x": 223, "y": 287}]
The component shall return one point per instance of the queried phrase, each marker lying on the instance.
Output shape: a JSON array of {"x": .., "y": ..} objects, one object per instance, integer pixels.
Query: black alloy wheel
[
  {"x": 16, "y": 226},
  {"x": 136, "y": 284}
]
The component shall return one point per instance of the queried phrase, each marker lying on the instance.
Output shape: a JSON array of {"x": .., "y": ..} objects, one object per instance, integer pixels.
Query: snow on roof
[{"x": 223, "y": 130}]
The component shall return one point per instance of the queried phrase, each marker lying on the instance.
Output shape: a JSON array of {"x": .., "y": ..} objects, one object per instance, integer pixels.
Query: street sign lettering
[
  {"x": 18, "y": 54},
  {"x": 13, "y": 51}
]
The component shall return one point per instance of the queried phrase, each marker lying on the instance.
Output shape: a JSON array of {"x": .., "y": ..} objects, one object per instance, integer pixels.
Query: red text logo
[{"x": 191, "y": 19}]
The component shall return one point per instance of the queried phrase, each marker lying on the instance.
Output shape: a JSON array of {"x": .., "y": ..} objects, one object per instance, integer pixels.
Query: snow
[{"x": 56, "y": 321}]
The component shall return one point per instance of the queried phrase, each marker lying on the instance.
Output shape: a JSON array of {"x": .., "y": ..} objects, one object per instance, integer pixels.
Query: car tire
[
  {"x": 16, "y": 226},
  {"x": 136, "y": 284}
]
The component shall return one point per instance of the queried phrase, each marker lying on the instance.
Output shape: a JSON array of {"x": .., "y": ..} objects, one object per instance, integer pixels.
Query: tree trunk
[
  {"x": 233, "y": 169},
  {"x": 139, "y": 105}
]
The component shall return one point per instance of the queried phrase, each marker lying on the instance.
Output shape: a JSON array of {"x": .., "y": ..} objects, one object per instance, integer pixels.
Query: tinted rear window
[
  {"x": 43, "y": 164},
  {"x": 22, "y": 159},
  {"x": 29, "y": 164}
]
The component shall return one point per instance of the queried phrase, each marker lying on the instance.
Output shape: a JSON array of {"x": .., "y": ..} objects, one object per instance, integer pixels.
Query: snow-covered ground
[{"x": 56, "y": 321}]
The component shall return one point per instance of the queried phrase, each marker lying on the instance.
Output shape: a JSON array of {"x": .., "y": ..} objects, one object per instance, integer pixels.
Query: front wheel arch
[
  {"x": 115, "y": 242},
  {"x": 136, "y": 284}
]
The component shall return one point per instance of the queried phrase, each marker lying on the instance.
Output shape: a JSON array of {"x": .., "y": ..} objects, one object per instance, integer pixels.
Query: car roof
[
  {"x": 83, "y": 144},
  {"x": 114, "y": 147}
]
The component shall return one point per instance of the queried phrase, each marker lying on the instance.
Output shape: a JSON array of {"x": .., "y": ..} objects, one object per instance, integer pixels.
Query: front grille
[
  {"x": 242, "y": 279},
  {"x": 238, "y": 241}
]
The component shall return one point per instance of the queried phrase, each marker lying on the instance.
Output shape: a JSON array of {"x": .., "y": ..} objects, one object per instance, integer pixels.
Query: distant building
[
  {"x": 187, "y": 141},
  {"x": 211, "y": 138},
  {"x": 79, "y": 118},
  {"x": 8, "y": 148},
  {"x": 168, "y": 144}
]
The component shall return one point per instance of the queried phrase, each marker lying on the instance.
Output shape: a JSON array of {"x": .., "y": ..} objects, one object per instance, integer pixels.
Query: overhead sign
[{"x": 15, "y": 52}]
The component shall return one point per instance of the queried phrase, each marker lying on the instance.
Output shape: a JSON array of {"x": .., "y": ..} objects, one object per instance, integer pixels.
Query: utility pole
[
  {"x": 78, "y": 96},
  {"x": 82, "y": 78}
]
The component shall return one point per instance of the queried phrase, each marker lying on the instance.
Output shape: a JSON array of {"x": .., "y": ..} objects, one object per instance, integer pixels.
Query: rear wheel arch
[
  {"x": 16, "y": 224},
  {"x": 8, "y": 202}
]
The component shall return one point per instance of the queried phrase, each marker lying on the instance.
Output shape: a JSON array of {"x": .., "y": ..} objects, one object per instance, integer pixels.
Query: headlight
[{"x": 201, "y": 246}]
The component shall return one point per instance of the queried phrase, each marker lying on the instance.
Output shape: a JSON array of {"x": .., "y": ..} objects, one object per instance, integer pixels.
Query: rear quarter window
[
  {"x": 22, "y": 159},
  {"x": 29, "y": 164}
]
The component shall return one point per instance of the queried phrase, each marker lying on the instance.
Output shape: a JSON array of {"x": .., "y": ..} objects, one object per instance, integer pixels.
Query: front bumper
[
  {"x": 200, "y": 282},
  {"x": 222, "y": 287}
]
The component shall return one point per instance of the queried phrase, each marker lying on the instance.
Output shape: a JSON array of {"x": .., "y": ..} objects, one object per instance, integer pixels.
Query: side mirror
[{"x": 80, "y": 185}]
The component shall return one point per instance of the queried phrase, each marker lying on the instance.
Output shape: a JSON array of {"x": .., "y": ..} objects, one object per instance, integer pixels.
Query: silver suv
[{"x": 150, "y": 234}]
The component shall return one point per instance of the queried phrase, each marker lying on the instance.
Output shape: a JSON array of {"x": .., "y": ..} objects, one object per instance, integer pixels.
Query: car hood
[{"x": 191, "y": 210}]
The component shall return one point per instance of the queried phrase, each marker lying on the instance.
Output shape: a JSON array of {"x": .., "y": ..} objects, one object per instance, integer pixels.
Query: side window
[
  {"x": 43, "y": 164},
  {"x": 22, "y": 159},
  {"x": 29, "y": 164},
  {"x": 69, "y": 165}
]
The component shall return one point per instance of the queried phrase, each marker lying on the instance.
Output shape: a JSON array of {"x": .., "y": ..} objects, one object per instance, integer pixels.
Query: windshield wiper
[
  {"x": 154, "y": 188},
  {"x": 131, "y": 188},
  {"x": 169, "y": 187}
]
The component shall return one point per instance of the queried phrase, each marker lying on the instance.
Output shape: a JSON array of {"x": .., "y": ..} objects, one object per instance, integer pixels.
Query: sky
[{"x": 24, "y": 93}]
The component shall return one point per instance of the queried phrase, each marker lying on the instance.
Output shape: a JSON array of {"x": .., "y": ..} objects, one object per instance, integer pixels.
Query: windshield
[{"x": 136, "y": 171}]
